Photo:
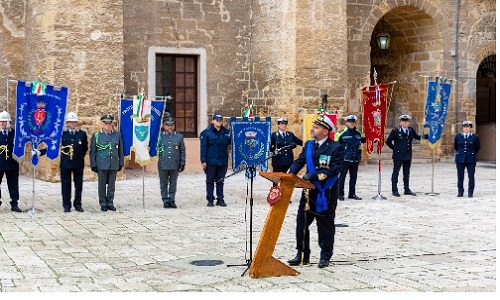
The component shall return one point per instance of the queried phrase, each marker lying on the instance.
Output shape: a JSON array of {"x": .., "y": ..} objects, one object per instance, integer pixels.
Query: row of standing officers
[{"x": 106, "y": 159}]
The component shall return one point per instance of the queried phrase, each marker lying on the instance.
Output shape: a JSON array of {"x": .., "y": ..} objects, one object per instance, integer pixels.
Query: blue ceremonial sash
[
  {"x": 438, "y": 93},
  {"x": 321, "y": 201},
  {"x": 127, "y": 125},
  {"x": 250, "y": 144},
  {"x": 39, "y": 119}
]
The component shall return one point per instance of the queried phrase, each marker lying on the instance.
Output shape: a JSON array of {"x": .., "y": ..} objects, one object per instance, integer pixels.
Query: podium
[{"x": 263, "y": 263}]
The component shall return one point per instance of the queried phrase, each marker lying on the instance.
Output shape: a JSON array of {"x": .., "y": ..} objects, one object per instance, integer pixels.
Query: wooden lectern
[{"x": 263, "y": 263}]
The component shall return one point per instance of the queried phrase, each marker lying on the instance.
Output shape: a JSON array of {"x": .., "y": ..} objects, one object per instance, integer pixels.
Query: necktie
[{"x": 316, "y": 145}]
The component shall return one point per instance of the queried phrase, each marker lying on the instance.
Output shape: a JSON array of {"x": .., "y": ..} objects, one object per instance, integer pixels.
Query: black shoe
[
  {"x": 112, "y": 208},
  {"x": 166, "y": 205},
  {"x": 1, "y": 202},
  {"x": 67, "y": 209},
  {"x": 355, "y": 197},
  {"x": 323, "y": 263},
  {"x": 469, "y": 195},
  {"x": 341, "y": 198},
  {"x": 79, "y": 209},
  {"x": 103, "y": 208},
  {"x": 16, "y": 209},
  {"x": 409, "y": 192},
  {"x": 396, "y": 194},
  {"x": 460, "y": 194},
  {"x": 210, "y": 203},
  {"x": 220, "y": 203},
  {"x": 172, "y": 205},
  {"x": 298, "y": 259}
]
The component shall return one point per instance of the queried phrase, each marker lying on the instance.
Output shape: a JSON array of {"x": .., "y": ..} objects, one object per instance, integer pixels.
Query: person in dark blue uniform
[
  {"x": 466, "y": 145},
  {"x": 74, "y": 147},
  {"x": 351, "y": 140},
  {"x": 8, "y": 165},
  {"x": 323, "y": 158},
  {"x": 400, "y": 141},
  {"x": 282, "y": 144},
  {"x": 214, "y": 142}
]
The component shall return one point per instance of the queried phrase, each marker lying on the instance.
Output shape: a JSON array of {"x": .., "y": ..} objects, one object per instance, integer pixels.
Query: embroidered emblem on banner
[{"x": 250, "y": 144}]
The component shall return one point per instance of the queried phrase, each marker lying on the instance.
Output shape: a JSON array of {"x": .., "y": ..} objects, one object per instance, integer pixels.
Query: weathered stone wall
[
  {"x": 11, "y": 48},
  {"x": 78, "y": 44}
]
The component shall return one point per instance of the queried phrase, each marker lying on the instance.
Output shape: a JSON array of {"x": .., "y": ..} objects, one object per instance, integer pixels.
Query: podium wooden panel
[{"x": 263, "y": 264}]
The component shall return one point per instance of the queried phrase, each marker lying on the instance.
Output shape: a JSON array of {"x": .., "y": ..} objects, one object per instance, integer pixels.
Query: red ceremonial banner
[{"x": 374, "y": 115}]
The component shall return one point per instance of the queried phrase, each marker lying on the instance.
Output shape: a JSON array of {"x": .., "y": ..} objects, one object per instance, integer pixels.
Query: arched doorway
[
  {"x": 415, "y": 51},
  {"x": 486, "y": 107}
]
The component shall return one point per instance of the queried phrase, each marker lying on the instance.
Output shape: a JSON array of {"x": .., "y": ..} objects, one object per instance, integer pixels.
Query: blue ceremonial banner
[
  {"x": 140, "y": 124},
  {"x": 438, "y": 94},
  {"x": 250, "y": 144},
  {"x": 40, "y": 116}
]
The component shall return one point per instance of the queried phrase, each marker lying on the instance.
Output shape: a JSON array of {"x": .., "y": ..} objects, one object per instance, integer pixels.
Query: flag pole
[
  {"x": 143, "y": 189},
  {"x": 432, "y": 175},
  {"x": 433, "y": 157},
  {"x": 379, "y": 152},
  {"x": 32, "y": 211}
]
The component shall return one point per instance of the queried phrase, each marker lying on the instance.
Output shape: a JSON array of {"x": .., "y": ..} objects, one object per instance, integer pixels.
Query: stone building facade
[{"x": 282, "y": 55}]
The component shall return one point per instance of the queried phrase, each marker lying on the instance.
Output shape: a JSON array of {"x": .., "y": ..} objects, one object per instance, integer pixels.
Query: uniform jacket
[
  {"x": 328, "y": 159},
  {"x": 106, "y": 150},
  {"x": 172, "y": 151},
  {"x": 79, "y": 143},
  {"x": 213, "y": 146},
  {"x": 285, "y": 157},
  {"x": 401, "y": 143},
  {"x": 466, "y": 149},
  {"x": 350, "y": 139},
  {"x": 7, "y": 162}
]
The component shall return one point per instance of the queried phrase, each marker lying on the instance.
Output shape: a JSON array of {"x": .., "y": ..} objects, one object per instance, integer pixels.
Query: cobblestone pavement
[{"x": 426, "y": 243}]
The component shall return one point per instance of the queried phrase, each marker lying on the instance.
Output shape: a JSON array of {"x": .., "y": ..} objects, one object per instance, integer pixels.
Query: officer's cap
[
  {"x": 107, "y": 118},
  {"x": 217, "y": 117},
  {"x": 282, "y": 121},
  {"x": 405, "y": 118},
  {"x": 351, "y": 118},
  {"x": 325, "y": 122},
  {"x": 467, "y": 123},
  {"x": 72, "y": 117},
  {"x": 169, "y": 121}
]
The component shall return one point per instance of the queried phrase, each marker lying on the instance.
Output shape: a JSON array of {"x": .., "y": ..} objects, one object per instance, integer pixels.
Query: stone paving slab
[{"x": 425, "y": 243}]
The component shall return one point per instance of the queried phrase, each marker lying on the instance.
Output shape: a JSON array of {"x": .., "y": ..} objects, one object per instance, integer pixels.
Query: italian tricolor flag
[{"x": 38, "y": 88}]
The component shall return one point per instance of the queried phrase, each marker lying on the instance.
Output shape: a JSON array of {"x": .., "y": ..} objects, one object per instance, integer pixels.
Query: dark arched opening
[{"x": 486, "y": 91}]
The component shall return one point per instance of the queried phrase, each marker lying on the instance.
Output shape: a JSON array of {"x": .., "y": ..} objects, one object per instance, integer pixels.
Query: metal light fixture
[{"x": 383, "y": 39}]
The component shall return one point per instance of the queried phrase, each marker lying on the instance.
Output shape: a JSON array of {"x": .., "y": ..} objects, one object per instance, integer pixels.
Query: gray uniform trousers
[{"x": 168, "y": 185}]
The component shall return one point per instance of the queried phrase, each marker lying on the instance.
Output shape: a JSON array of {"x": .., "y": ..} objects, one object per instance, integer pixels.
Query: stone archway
[
  {"x": 416, "y": 51},
  {"x": 486, "y": 107}
]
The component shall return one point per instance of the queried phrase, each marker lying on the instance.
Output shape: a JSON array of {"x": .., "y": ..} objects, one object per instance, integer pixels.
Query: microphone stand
[{"x": 252, "y": 169}]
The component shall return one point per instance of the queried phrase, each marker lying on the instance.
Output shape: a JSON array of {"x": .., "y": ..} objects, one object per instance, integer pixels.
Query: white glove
[{"x": 35, "y": 151}]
